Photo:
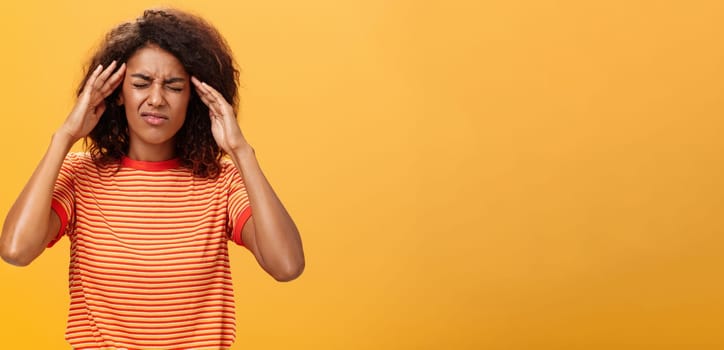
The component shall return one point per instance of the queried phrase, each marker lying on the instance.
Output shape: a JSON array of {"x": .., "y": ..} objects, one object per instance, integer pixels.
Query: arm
[
  {"x": 31, "y": 223},
  {"x": 270, "y": 233}
]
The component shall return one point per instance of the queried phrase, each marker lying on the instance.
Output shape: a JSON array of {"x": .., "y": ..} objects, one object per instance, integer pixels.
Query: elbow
[
  {"x": 290, "y": 272},
  {"x": 13, "y": 252},
  {"x": 15, "y": 256}
]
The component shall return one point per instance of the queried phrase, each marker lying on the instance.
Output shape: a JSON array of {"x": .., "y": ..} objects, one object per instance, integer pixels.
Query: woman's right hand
[{"x": 90, "y": 105}]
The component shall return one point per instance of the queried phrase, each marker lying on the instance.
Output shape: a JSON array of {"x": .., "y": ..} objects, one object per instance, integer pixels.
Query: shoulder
[
  {"x": 79, "y": 159},
  {"x": 229, "y": 173},
  {"x": 228, "y": 168},
  {"x": 83, "y": 163},
  {"x": 226, "y": 163}
]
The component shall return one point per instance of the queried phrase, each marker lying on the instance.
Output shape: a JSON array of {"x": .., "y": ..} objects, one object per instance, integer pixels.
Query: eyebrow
[{"x": 167, "y": 81}]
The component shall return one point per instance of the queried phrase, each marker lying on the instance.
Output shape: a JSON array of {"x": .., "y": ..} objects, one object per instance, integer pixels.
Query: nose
[{"x": 155, "y": 96}]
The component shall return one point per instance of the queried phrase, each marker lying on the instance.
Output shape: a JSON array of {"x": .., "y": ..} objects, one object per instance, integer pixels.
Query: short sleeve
[
  {"x": 238, "y": 205},
  {"x": 63, "y": 196}
]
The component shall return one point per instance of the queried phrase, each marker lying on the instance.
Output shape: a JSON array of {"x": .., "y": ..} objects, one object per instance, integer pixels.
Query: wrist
[
  {"x": 241, "y": 153},
  {"x": 63, "y": 140},
  {"x": 241, "y": 147}
]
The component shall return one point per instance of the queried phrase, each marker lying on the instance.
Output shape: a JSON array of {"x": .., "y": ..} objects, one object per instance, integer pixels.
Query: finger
[
  {"x": 91, "y": 79},
  {"x": 85, "y": 97},
  {"x": 98, "y": 93},
  {"x": 207, "y": 90},
  {"x": 218, "y": 106},
  {"x": 197, "y": 84},
  {"x": 195, "y": 81},
  {"x": 104, "y": 75},
  {"x": 114, "y": 80},
  {"x": 93, "y": 86},
  {"x": 224, "y": 105},
  {"x": 203, "y": 93},
  {"x": 221, "y": 105},
  {"x": 110, "y": 85},
  {"x": 204, "y": 98},
  {"x": 214, "y": 95}
]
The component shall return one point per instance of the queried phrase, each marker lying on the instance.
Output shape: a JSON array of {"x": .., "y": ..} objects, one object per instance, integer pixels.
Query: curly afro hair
[{"x": 204, "y": 54}]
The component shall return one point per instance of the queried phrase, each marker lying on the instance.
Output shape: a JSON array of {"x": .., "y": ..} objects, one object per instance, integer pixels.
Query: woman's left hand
[{"x": 224, "y": 127}]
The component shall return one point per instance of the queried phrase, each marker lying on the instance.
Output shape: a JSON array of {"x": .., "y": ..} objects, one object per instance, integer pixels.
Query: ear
[{"x": 119, "y": 101}]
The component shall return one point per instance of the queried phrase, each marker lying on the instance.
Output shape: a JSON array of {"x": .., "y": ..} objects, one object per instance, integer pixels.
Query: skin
[{"x": 154, "y": 83}]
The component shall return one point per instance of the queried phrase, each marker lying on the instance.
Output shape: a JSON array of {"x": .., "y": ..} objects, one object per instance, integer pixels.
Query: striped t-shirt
[{"x": 149, "y": 266}]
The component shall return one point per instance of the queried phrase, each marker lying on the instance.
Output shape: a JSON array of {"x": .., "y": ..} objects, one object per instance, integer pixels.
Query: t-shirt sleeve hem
[
  {"x": 239, "y": 225},
  {"x": 58, "y": 208}
]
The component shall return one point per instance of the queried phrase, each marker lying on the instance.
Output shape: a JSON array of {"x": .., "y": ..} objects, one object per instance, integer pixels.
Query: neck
[{"x": 151, "y": 153}]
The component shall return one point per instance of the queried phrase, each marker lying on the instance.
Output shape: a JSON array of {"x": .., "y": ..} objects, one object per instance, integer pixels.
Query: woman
[{"x": 150, "y": 207}]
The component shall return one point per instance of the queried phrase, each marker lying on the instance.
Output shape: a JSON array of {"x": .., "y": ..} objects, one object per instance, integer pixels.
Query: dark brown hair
[{"x": 202, "y": 51}]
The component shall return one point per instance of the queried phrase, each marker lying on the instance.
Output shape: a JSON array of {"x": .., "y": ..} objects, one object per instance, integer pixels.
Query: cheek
[
  {"x": 130, "y": 98},
  {"x": 180, "y": 103}
]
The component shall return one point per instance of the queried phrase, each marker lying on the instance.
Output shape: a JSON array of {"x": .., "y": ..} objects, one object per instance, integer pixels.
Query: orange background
[{"x": 465, "y": 174}]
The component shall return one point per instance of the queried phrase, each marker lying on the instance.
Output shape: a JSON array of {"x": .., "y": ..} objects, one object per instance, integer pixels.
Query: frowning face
[{"x": 155, "y": 94}]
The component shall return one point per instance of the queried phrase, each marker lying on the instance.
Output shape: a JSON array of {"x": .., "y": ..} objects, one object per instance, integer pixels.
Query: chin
[{"x": 152, "y": 137}]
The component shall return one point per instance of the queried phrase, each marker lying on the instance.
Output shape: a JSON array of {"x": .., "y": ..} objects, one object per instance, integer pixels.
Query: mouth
[{"x": 154, "y": 119}]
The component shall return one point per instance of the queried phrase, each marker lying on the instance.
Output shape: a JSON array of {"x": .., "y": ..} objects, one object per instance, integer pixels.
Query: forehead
[{"x": 154, "y": 61}]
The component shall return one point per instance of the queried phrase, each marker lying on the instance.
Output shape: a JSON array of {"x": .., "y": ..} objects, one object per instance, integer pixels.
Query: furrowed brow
[
  {"x": 141, "y": 76},
  {"x": 174, "y": 80}
]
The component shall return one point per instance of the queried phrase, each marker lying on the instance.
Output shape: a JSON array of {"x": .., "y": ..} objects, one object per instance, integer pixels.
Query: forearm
[
  {"x": 28, "y": 222},
  {"x": 274, "y": 238},
  {"x": 276, "y": 235}
]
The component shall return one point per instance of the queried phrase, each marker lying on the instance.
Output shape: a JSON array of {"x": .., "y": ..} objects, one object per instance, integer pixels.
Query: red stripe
[
  {"x": 166, "y": 209},
  {"x": 189, "y": 282},
  {"x": 217, "y": 225},
  {"x": 190, "y": 292},
  {"x": 161, "y": 249},
  {"x": 203, "y": 268},
  {"x": 144, "y": 278},
  {"x": 152, "y": 166},
  {"x": 226, "y": 298},
  {"x": 168, "y": 213},
  {"x": 200, "y": 345},
  {"x": 63, "y": 216},
  {"x": 136, "y": 254},
  {"x": 172, "y": 339},
  {"x": 240, "y": 222},
  {"x": 217, "y": 283},
  {"x": 154, "y": 268},
  {"x": 152, "y": 321},
  {"x": 127, "y": 300},
  {"x": 222, "y": 308},
  {"x": 127, "y": 342}
]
